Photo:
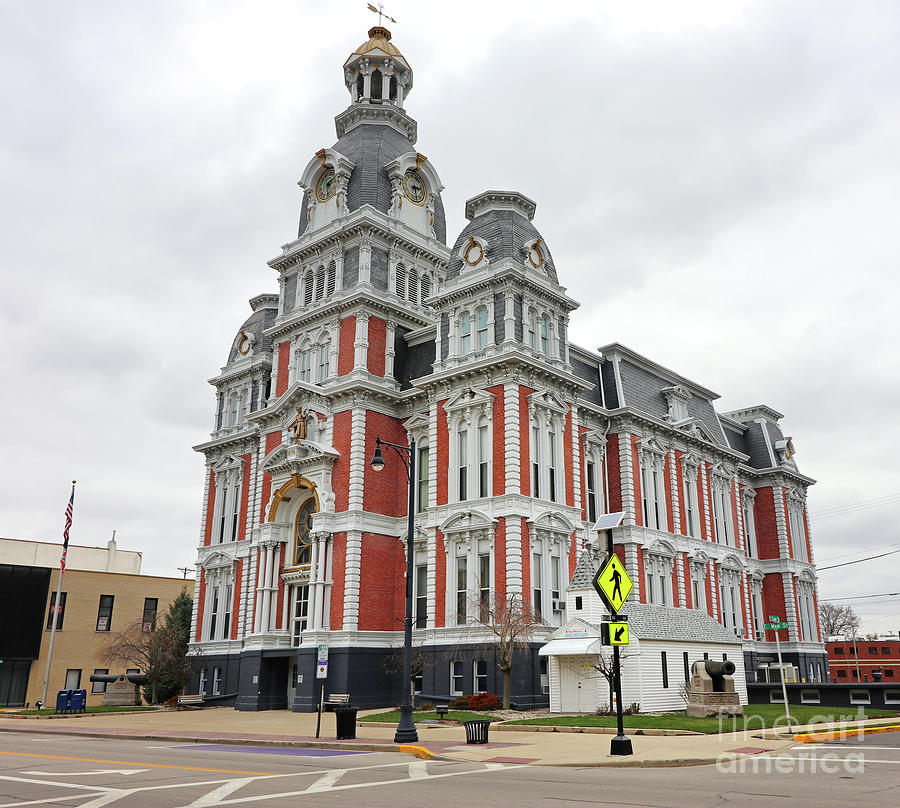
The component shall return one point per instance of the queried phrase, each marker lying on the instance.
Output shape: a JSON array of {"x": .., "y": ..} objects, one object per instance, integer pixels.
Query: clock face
[
  {"x": 326, "y": 186},
  {"x": 536, "y": 255},
  {"x": 414, "y": 187},
  {"x": 474, "y": 252}
]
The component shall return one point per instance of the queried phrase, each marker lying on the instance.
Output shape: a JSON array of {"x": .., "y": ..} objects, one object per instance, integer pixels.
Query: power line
[
  {"x": 863, "y": 597},
  {"x": 857, "y": 552},
  {"x": 858, "y": 561},
  {"x": 855, "y": 507}
]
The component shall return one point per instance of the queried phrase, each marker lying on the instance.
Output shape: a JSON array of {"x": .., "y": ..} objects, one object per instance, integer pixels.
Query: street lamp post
[{"x": 406, "y": 729}]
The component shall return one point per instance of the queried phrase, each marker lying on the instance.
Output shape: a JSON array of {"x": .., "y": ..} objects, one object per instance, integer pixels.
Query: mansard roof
[
  {"x": 252, "y": 332},
  {"x": 502, "y": 220},
  {"x": 371, "y": 146}
]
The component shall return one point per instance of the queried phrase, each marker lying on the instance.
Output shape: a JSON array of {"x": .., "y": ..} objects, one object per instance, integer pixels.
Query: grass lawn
[
  {"x": 108, "y": 708},
  {"x": 756, "y": 716},
  {"x": 453, "y": 715}
]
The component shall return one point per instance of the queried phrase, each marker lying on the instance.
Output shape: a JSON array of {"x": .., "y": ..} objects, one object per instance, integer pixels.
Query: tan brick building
[{"x": 103, "y": 593}]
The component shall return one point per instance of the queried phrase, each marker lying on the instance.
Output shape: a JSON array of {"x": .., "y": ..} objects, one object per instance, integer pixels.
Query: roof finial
[{"x": 380, "y": 12}]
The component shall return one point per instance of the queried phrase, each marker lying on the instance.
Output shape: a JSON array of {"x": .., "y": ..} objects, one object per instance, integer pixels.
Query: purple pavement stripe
[{"x": 270, "y": 750}]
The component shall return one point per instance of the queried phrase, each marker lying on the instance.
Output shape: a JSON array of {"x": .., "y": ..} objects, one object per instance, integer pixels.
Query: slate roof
[
  {"x": 650, "y": 622},
  {"x": 256, "y": 324},
  {"x": 506, "y": 233},
  {"x": 411, "y": 361},
  {"x": 371, "y": 146}
]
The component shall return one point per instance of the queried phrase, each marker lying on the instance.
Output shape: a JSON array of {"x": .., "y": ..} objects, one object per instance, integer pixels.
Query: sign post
[
  {"x": 614, "y": 586},
  {"x": 776, "y": 624},
  {"x": 321, "y": 674}
]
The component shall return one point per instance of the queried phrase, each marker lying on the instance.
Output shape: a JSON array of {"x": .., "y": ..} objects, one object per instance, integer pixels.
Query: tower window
[
  {"x": 400, "y": 281},
  {"x": 375, "y": 84},
  {"x": 413, "y": 290},
  {"x": 465, "y": 333},
  {"x": 481, "y": 325}
]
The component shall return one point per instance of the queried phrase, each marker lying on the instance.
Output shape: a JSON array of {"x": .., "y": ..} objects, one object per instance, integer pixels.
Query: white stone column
[
  {"x": 576, "y": 459},
  {"x": 389, "y": 349},
  {"x": 361, "y": 341},
  {"x": 703, "y": 496},
  {"x": 334, "y": 347},
  {"x": 509, "y": 317},
  {"x": 357, "y": 458},
  {"x": 351, "y": 580},
  {"x": 679, "y": 575},
  {"x": 626, "y": 478},
  {"x": 365, "y": 262},
  {"x": 790, "y": 607},
  {"x": 674, "y": 492},
  {"x": 512, "y": 440}
]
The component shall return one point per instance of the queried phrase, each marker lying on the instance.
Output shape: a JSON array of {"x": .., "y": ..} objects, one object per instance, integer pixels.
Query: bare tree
[
  {"x": 512, "y": 623},
  {"x": 159, "y": 652},
  {"x": 603, "y": 665},
  {"x": 838, "y": 620}
]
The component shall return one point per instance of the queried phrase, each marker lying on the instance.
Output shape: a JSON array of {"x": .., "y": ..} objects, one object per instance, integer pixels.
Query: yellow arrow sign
[
  {"x": 618, "y": 633},
  {"x": 613, "y": 584}
]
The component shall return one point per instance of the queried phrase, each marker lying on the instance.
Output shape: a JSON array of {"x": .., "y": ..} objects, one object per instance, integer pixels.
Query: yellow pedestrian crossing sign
[{"x": 612, "y": 583}]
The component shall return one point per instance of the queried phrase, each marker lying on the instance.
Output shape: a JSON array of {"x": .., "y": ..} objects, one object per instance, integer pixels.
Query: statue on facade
[{"x": 298, "y": 426}]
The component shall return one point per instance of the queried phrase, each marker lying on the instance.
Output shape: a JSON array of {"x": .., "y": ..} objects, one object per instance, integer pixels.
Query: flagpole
[{"x": 62, "y": 569}]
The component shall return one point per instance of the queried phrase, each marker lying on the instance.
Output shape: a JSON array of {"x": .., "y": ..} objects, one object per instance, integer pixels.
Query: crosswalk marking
[
  {"x": 418, "y": 770},
  {"x": 327, "y": 780},
  {"x": 213, "y": 797}
]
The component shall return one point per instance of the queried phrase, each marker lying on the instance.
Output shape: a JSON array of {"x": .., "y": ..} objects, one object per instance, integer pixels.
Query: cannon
[
  {"x": 123, "y": 689},
  {"x": 711, "y": 689}
]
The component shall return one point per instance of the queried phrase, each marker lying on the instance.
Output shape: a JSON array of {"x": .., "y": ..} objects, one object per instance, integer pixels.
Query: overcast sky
[{"x": 717, "y": 181}]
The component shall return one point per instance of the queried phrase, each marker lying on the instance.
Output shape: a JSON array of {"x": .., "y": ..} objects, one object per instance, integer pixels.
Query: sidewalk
[{"x": 283, "y": 728}]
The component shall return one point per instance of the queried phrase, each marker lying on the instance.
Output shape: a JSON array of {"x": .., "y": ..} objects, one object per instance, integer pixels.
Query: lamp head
[{"x": 377, "y": 459}]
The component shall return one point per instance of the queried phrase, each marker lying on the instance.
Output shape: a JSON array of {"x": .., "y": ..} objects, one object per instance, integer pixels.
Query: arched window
[
  {"x": 320, "y": 283},
  {"x": 531, "y": 331},
  {"x": 308, "y": 281},
  {"x": 481, "y": 327},
  {"x": 303, "y": 533},
  {"x": 426, "y": 287},
  {"x": 233, "y": 409},
  {"x": 375, "y": 84},
  {"x": 465, "y": 333},
  {"x": 413, "y": 286},
  {"x": 400, "y": 283},
  {"x": 360, "y": 86},
  {"x": 332, "y": 276},
  {"x": 393, "y": 88},
  {"x": 545, "y": 336},
  {"x": 324, "y": 353}
]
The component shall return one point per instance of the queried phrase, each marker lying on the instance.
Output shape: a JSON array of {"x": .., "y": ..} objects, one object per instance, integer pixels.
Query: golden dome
[{"x": 379, "y": 39}]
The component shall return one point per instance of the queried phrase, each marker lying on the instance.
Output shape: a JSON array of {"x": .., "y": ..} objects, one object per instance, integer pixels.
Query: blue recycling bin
[
  {"x": 78, "y": 700},
  {"x": 62, "y": 701}
]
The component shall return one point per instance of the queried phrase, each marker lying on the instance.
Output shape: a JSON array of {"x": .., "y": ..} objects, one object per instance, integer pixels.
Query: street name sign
[
  {"x": 612, "y": 583},
  {"x": 775, "y": 626}
]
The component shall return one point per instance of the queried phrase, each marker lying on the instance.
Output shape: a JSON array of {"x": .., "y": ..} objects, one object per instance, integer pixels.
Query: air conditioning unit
[
  {"x": 545, "y": 689},
  {"x": 773, "y": 673},
  {"x": 559, "y": 605}
]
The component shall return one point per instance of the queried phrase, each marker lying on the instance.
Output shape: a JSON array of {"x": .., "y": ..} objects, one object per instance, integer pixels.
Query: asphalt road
[{"x": 90, "y": 773}]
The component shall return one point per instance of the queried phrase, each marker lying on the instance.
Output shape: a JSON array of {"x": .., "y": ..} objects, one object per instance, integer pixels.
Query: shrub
[
  {"x": 425, "y": 707},
  {"x": 460, "y": 703},
  {"x": 484, "y": 701}
]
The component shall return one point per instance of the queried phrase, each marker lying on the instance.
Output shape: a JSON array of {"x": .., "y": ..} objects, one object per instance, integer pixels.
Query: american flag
[{"x": 62, "y": 561}]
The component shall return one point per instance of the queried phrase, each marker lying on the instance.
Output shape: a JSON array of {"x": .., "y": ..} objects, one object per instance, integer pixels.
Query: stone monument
[{"x": 711, "y": 690}]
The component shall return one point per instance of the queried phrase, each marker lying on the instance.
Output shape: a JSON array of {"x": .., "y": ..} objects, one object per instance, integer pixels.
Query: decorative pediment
[
  {"x": 699, "y": 557},
  {"x": 553, "y": 522},
  {"x": 546, "y": 402},
  {"x": 690, "y": 462},
  {"x": 469, "y": 405},
  {"x": 652, "y": 445},
  {"x": 294, "y": 458},
  {"x": 723, "y": 471},
  {"x": 660, "y": 547},
  {"x": 417, "y": 425},
  {"x": 807, "y": 576},
  {"x": 325, "y": 159},
  {"x": 466, "y": 522},
  {"x": 595, "y": 441},
  {"x": 696, "y": 428},
  {"x": 732, "y": 562},
  {"x": 227, "y": 463},
  {"x": 217, "y": 561}
]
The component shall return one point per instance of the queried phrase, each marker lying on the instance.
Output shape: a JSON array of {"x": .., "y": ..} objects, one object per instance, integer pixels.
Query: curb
[
  {"x": 841, "y": 734},
  {"x": 418, "y": 751}
]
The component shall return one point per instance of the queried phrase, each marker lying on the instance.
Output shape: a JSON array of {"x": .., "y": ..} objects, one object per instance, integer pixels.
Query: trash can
[
  {"x": 62, "y": 701},
  {"x": 345, "y": 721},
  {"x": 477, "y": 731}
]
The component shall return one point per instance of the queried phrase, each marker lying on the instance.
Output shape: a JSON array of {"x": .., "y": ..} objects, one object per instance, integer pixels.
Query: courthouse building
[{"x": 378, "y": 329}]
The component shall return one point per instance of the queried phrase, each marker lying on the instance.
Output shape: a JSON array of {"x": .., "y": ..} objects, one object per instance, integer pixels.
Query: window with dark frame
[
  {"x": 839, "y": 651},
  {"x": 422, "y": 475},
  {"x": 421, "y": 596},
  {"x": 665, "y": 668},
  {"x": 99, "y": 687},
  {"x": 104, "y": 612},
  {"x": 578, "y": 603},
  {"x": 148, "y": 621},
  {"x": 484, "y": 588},
  {"x": 480, "y": 676},
  {"x": 483, "y": 454},
  {"x": 687, "y": 667},
  {"x": 60, "y": 613},
  {"x": 591, "y": 493},
  {"x": 463, "y": 439}
]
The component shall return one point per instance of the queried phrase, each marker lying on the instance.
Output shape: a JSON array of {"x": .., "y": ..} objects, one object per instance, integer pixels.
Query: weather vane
[{"x": 380, "y": 12}]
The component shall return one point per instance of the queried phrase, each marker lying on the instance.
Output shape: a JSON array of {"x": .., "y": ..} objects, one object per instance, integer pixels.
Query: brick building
[
  {"x": 864, "y": 660},
  {"x": 103, "y": 593},
  {"x": 378, "y": 329}
]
